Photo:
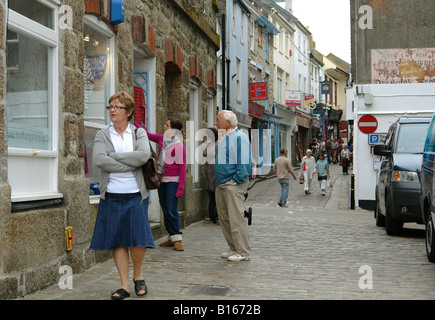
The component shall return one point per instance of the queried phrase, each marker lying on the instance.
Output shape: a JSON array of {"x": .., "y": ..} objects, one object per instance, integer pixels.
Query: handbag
[
  {"x": 343, "y": 161},
  {"x": 152, "y": 170},
  {"x": 301, "y": 178}
]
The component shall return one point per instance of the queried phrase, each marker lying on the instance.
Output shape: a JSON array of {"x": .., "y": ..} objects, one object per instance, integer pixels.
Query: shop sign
[
  {"x": 326, "y": 87},
  {"x": 258, "y": 91},
  {"x": 318, "y": 109},
  {"x": 293, "y": 98},
  {"x": 116, "y": 11},
  {"x": 309, "y": 101},
  {"x": 255, "y": 110},
  {"x": 302, "y": 121},
  {"x": 343, "y": 129}
]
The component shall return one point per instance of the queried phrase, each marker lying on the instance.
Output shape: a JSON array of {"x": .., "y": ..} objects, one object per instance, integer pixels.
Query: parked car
[
  {"x": 398, "y": 186},
  {"x": 427, "y": 202}
]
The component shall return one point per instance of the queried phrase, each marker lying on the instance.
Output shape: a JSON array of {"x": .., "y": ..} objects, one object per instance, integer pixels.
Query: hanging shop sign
[
  {"x": 293, "y": 98},
  {"x": 326, "y": 87},
  {"x": 255, "y": 110},
  {"x": 258, "y": 91},
  {"x": 116, "y": 11}
]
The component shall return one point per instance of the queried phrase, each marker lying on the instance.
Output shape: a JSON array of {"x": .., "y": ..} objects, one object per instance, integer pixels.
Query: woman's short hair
[{"x": 125, "y": 99}]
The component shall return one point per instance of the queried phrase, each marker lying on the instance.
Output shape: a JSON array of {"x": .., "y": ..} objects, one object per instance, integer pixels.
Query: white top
[{"x": 122, "y": 182}]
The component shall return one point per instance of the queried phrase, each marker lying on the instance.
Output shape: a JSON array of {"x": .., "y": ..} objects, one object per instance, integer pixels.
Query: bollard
[{"x": 352, "y": 192}]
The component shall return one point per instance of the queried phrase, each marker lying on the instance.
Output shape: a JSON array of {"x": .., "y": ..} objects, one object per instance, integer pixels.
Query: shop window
[
  {"x": 27, "y": 93},
  {"x": 31, "y": 98},
  {"x": 98, "y": 72},
  {"x": 34, "y": 10}
]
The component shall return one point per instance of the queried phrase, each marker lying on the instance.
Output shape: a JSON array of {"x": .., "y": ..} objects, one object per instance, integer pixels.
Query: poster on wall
[{"x": 403, "y": 65}]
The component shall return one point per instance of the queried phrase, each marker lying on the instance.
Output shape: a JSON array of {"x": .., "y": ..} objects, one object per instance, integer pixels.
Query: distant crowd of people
[{"x": 317, "y": 160}]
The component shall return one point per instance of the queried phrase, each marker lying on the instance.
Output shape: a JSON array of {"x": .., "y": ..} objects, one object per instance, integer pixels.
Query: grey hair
[{"x": 228, "y": 115}]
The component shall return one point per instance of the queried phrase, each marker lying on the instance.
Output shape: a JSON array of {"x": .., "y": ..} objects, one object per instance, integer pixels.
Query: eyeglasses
[{"x": 117, "y": 108}]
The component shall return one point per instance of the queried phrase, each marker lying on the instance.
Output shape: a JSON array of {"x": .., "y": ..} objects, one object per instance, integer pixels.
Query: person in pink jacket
[{"x": 172, "y": 154}]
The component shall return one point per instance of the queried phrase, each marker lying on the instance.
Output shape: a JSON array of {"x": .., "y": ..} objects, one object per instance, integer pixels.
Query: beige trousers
[{"x": 230, "y": 208}]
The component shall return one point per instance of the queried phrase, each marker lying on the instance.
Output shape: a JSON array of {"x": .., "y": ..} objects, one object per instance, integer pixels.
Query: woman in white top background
[{"x": 308, "y": 168}]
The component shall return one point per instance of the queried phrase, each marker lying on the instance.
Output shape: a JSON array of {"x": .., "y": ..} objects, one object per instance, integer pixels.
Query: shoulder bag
[{"x": 152, "y": 170}]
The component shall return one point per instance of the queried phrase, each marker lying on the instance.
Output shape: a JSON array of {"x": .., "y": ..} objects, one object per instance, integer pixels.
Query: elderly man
[{"x": 232, "y": 170}]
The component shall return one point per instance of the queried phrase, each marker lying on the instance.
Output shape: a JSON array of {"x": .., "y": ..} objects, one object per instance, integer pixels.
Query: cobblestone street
[{"x": 313, "y": 249}]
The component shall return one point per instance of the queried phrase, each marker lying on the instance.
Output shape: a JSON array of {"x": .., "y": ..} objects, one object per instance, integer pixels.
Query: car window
[{"x": 411, "y": 138}]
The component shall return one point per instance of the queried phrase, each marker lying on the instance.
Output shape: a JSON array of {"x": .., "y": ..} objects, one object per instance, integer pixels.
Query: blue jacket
[{"x": 233, "y": 158}]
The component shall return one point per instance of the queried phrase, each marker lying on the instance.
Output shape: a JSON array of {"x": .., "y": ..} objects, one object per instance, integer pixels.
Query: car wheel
[
  {"x": 430, "y": 239},
  {"x": 392, "y": 226},
  {"x": 380, "y": 219}
]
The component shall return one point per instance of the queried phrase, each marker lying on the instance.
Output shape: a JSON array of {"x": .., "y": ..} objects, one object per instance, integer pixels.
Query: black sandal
[
  {"x": 122, "y": 294},
  {"x": 140, "y": 285}
]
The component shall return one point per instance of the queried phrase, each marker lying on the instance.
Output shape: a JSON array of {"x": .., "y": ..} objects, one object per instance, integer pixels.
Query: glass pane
[
  {"x": 34, "y": 10},
  {"x": 411, "y": 138},
  {"x": 96, "y": 76},
  {"x": 29, "y": 123}
]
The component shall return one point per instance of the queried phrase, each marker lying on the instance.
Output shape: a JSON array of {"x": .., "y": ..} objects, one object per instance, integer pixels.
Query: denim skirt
[{"x": 122, "y": 222}]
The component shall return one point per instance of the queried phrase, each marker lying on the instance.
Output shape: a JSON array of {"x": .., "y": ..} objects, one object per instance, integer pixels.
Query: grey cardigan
[{"x": 107, "y": 160}]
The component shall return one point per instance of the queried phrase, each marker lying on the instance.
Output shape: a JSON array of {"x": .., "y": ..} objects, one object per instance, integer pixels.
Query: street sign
[
  {"x": 374, "y": 138},
  {"x": 367, "y": 124}
]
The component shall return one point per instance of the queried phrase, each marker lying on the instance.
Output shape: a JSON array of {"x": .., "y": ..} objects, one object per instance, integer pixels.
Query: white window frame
[{"x": 27, "y": 168}]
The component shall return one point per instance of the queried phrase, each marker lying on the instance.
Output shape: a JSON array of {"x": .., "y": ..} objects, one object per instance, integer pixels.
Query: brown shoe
[
  {"x": 178, "y": 246},
  {"x": 167, "y": 243}
]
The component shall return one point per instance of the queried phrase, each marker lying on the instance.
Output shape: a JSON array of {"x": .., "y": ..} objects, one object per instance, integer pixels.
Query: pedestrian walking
[
  {"x": 209, "y": 154},
  {"x": 283, "y": 169},
  {"x": 232, "y": 171},
  {"x": 122, "y": 224},
  {"x": 345, "y": 159},
  {"x": 172, "y": 155},
  {"x": 308, "y": 168},
  {"x": 322, "y": 168}
]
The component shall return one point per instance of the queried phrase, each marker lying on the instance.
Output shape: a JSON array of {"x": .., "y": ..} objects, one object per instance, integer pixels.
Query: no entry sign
[{"x": 368, "y": 124}]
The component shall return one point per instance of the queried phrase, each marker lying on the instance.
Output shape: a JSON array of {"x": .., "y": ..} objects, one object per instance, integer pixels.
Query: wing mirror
[{"x": 382, "y": 150}]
